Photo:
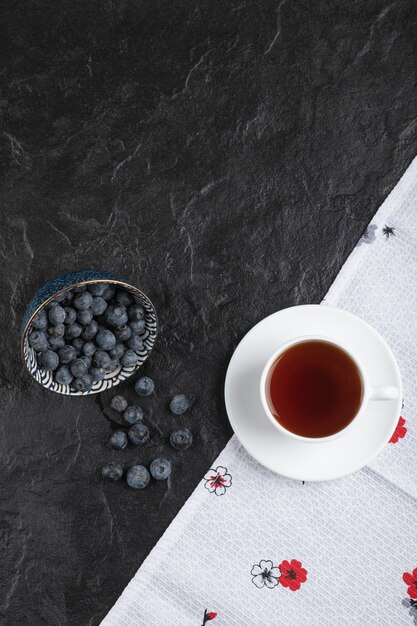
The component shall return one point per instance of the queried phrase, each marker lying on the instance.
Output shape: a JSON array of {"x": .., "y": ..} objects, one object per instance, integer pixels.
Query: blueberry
[
  {"x": 40, "y": 321},
  {"x": 144, "y": 386},
  {"x": 78, "y": 368},
  {"x": 87, "y": 360},
  {"x": 84, "y": 316},
  {"x": 98, "y": 305},
  {"x": 73, "y": 330},
  {"x": 38, "y": 341},
  {"x": 136, "y": 312},
  {"x": 179, "y": 404},
  {"x": 116, "y": 315},
  {"x": 122, "y": 333},
  {"x": 56, "y": 331},
  {"x": 51, "y": 305},
  {"x": 48, "y": 360},
  {"x": 68, "y": 296},
  {"x": 137, "y": 326},
  {"x": 117, "y": 351},
  {"x": 97, "y": 289},
  {"x": 181, "y": 438},
  {"x": 112, "y": 366},
  {"x": 123, "y": 298},
  {"x": 78, "y": 344},
  {"x": 114, "y": 471},
  {"x": 119, "y": 404},
  {"x": 89, "y": 348},
  {"x": 135, "y": 343},
  {"x": 132, "y": 414},
  {"x": 109, "y": 293},
  {"x": 63, "y": 375},
  {"x": 129, "y": 358},
  {"x": 70, "y": 315},
  {"x": 67, "y": 354},
  {"x": 97, "y": 374},
  {"x": 83, "y": 300},
  {"x": 80, "y": 288},
  {"x": 101, "y": 359},
  {"x": 160, "y": 469},
  {"x": 56, "y": 315},
  {"x": 84, "y": 383},
  {"x": 55, "y": 343},
  {"x": 118, "y": 440},
  {"x": 105, "y": 339},
  {"x": 60, "y": 297},
  {"x": 90, "y": 331},
  {"x": 138, "y": 434},
  {"x": 137, "y": 477}
]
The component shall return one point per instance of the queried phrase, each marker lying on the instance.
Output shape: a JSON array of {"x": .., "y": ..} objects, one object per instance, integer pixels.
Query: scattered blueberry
[
  {"x": 181, "y": 438},
  {"x": 114, "y": 471},
  {"x": 63, "y": 375},
  {"x": 70, "y": 315},
  {"x": 105, "y": 339},
  {"x": 137, "y": 477},
  {"x": 78, "y": 344},
  {"x": 101, "y": 359},
  {"x": 83, "y": 300},
  {"x": 129, "y": 358},
  {"x": 123, "y": 298},
  {"x": 122, "y": 333},
  {"x": 97, "y": 289},
  {"x": 137, "y": 326},
  {"x": 118, "y": 440},
  {"x": 90, "y": 331},
  {"x": 135, "y": 343},
  {"x": 56, "y": 315},
  {"x": 97, "y": 374},
  {"x": 48, "y": 360},
  {"x": 109, "y": 293},
  {"x": 55, "y": 343},
  {"x": 89, "y": 348},
  {"x": 179, "y": 404},
  {"x": 78, "y": 368},
  {"x": 144, "y": 386},
  {"x": 84, "y": 316},
  {"x": 72, "y": 331},
  {"x": 40, "y": 321},
  {"x": 67, "y": 354},
  {"x": 138, "y": 434},
  {"x": 117, "y": 352},
  {"x": 116, "y": 315},
  {"x": 136, "y": 312},
  {"x": 98, "y": 305},
  {"x": 38, "y": 341},
  {"x": 80, "y": 288},
  {"x": 56, "y": 331},
  {"x": 132, "y": 414},
  {"x": 83, "y": 384},
  {"x": 160, "y": 469},
  {"x": 119, "y": 404}
]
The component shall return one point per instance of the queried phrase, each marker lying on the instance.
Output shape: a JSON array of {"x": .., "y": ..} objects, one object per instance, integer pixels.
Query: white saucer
[{"x": 291, "y": 457}]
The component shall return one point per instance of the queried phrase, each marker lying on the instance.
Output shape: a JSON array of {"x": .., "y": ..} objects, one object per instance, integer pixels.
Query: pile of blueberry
[
  {"x": 87, "y": 332},
  {"x": 137, "y": 434}
]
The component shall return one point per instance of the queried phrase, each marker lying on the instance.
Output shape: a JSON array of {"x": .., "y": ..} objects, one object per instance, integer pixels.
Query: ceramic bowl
[{"x": 68, "y": 281}]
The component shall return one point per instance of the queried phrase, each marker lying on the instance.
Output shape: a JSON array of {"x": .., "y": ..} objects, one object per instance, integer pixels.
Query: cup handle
[{"x": 384, "y": 393}]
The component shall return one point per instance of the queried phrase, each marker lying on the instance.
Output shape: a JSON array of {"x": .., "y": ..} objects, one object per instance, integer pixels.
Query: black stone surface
[{"x": 225, "y": 157}]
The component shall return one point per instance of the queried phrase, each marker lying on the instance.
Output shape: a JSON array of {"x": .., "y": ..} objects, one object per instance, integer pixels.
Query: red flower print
[
  {"x": 218, "y": 480},
  {"x": 399, "y": 432},
  {"x": 411, "y": 581},
  {"x": 208, "y": 617},
  {"x": 292, "y": 574}
]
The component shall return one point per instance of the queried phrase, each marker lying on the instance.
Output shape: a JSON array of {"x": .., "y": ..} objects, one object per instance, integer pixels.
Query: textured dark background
[{"x": 224, "y": 156}]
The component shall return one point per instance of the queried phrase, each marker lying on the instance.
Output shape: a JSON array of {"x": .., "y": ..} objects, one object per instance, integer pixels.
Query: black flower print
[
  {"x": 265, "y": 575},
  {"x": 388, "y": 231}
]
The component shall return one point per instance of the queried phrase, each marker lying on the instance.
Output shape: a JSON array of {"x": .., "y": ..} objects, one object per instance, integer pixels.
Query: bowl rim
[{"x": 114, "y": 281}]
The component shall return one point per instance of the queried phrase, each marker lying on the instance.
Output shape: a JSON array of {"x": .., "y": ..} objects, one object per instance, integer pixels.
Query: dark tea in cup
[{"x": 314, "y": 389}]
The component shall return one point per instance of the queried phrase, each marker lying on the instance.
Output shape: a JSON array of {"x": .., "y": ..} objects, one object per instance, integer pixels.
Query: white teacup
[{"x": 369, "y": 393}]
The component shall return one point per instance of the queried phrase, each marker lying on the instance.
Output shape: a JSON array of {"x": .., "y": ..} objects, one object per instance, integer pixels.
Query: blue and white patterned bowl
[{"x": 68, "y": 281}]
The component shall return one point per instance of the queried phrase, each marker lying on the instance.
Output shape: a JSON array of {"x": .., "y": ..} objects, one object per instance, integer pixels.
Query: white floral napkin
[{"x": 250, "y": 548}]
